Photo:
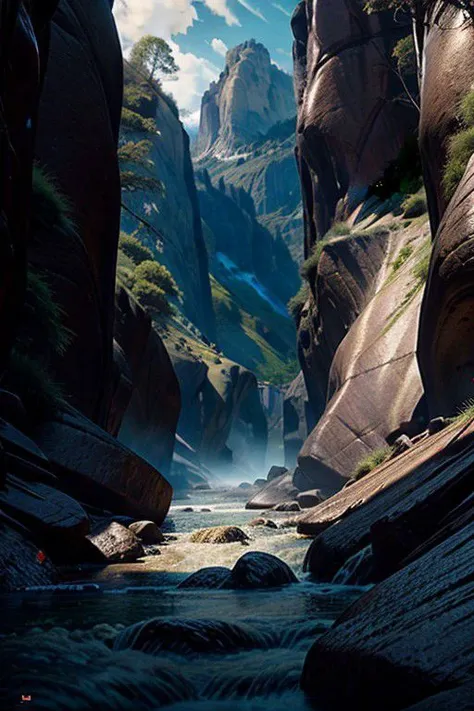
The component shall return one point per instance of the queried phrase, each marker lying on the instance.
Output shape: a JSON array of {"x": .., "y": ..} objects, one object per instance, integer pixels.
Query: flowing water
[{"x": 66, "y": 639}]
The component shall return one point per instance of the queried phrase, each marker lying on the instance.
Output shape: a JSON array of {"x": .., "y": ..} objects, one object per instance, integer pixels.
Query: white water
[{"x": 288, "y": 620}]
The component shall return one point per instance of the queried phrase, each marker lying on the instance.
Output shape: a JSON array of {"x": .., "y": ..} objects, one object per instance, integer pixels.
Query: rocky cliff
[{"x": 251, "y": 95}]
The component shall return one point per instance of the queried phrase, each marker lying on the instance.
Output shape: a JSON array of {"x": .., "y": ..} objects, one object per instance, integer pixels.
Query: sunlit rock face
[
  {"x": 251, "y": 95},
  {"x": 351, "y": 124},
  {"x": 77, "y": 144},
  {"x": 446, "y": 326}
]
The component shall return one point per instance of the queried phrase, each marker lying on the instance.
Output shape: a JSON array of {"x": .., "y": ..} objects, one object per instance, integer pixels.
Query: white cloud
[
  {"x": 163, "y": 18},
  {"x": 281, "y": 8},
  {"x": 194, "y": 76},
  {"x": 284, "y": 52},
  {"x": 220, "y": 8},
  {"x": 219, "y": 46},
  {"x": 254, "y": 10}
]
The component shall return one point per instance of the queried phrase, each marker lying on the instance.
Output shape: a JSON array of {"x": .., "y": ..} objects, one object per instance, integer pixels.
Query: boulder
[
  {"x": 78, "y": 146},
  {"x": 275, "y": 472},
  {"x": 390, "y": 638},
  {"x": 287, "y": 506},
  {"x": 116, "y": 543},
  {"x": 147, "y": 532},
  {"x": 437, "y": 424},
  {"x": 212, "y": 577},
  {"x": 260, "y": 482},
  {"x": 257, "y": 570},
  {"x": 98, "y": 470},
  {"x": 284, "y": 488},
  {"x": 308, "y": 499},
  {"x": 401, "y": 445},
  {"x": 263, "y": 522},
  {"x": 298, "y": 421},
  {"x": 219, "y": 534},
  {"x": 22, "y": 563},
  {"x": 245, "y": 485}
]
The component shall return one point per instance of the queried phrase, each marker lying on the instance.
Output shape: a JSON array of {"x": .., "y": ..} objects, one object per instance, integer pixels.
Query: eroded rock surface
[{"x": 219, "y": 534}]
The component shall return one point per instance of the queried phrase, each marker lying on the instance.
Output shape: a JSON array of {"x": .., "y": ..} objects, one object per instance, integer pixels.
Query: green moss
[
  {"x": 296, "y": 303},
  {"x": 422, "y": 268},
  {"x": 467, "y": 109},
  {"x": 371, "y": 461},
  {"x": 134, "y": 249},
  {"x": 49, "y": 207},
  {"x": 402, "y": 257},
  {"x": 460, "y": 150},
  {"x": 339, "y": 229},
  {"x": 158, "y": 275}
]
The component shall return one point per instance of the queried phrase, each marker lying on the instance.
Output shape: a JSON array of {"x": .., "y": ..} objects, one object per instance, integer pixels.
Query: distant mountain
[{"x": 251, "y": 95}]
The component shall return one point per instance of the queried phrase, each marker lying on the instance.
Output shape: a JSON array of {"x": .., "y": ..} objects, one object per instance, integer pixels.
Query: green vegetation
[
  {"x": 309, "y": 267},
  {"x": 371, "y": 461},
  {"x": 465, "y": 412},
  {"x": 153, "y": 57},
  {"x": 31, "y": 381},
  {"x": 133, "y": 121},
  {"x": 136, "y": 181},
  {"x": 422, "y": 268},
  {"x": 405, "y": 56},
  {"x": 134, "y": 249},
  {"x": 151, "y": 297},
  {"x": 415, "y": 205},
  {"x": 49, "y": 208},
  {"x": 402, "y": 257},
  {"x": 280, "y": 374},
  {"x": 460, "y": 149},
  {"x": 297, "y": 301},
  {"x": 339, "y": 229},
  {"x": 134, "y": 152},
  {"x": 158, "y": 275},
  {"x": 403, "y": 175}
]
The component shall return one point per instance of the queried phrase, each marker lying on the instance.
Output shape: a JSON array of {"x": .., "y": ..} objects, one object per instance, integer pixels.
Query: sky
[{"x": 200, "y": 32}]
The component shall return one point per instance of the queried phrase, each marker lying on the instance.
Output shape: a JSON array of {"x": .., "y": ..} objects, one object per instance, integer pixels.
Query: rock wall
[
  {"x": 173, "y": 212},
  {"x": 76, "y": 143},
  {"x": 350, "y": 123},
  {"x": 250, "y": 96}
]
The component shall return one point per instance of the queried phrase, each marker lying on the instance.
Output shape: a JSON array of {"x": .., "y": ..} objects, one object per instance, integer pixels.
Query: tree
[
  {"x": 416, "y": 7},
  {"x": 153, "y": 56},
  {"x": 158, "y": 275}
]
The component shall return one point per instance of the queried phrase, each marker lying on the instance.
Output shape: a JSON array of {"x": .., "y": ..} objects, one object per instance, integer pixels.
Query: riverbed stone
[
  {"x": 211, "y": 577},
  {"x": 147, "y": 532},
  {"x": 263, "y": 522},
  {"x": 256, "y": 570},
  {"x": 219, "y": 534},
  {"x": 116, "y": 542},
  {"x": 287, "y": 506}
]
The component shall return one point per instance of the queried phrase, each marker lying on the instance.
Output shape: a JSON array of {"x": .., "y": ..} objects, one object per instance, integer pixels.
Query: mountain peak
[{"x": 251, "y": 95}]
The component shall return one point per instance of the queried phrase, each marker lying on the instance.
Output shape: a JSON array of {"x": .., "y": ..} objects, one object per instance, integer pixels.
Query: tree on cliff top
[
  {"x": 153, "y": 57},
  {"x": 417, "y": 6}
]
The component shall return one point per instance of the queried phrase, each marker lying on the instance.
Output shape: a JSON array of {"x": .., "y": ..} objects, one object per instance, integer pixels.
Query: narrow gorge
[{"x": 237, "y": 365}]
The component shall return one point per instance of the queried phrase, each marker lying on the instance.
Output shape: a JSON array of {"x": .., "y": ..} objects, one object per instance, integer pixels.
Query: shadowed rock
[
  {"x": 147, "y": 532},
  {"x": 212, "y": 577},
  {"x": 257, "y": 570},
  {"x": 116, "y": 543},
  {"x": 191, "y": 637}
]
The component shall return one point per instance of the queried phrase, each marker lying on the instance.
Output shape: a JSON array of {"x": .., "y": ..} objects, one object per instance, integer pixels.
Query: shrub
[
  {"x": 402, "y": 257},
  {"x": 152, "y": 297},
  {"x": 49, "y": 208},
  {"x": 422, "y": 268},
  {"x": 134, "y": 122},
  {"x": 296, "y": 303},
  {"x": 158, "y": 275},
  {"x": 135, "y": 181},
  {"x": 371, "y": 461},
  {"x": 467, "y": 109},
  {"x": 134, "y": 152},
  {"x": 414, "y": 206},
  {"x": 405, "y": 56},
  {"x": 134, "y": 249},
  {"x": 339, "y": 229},
  {"x": 465, "y": 411},
  {"x": 460, "y": 149},
  {"x": 310, "y": 265},
  {"x": 41, "y": 329}
]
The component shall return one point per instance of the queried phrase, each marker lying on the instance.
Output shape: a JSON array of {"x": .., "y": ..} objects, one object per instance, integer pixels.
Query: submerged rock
[
  {"x": 263, "y": 522},
  {"x": 212, "y": 577},
  {"x": 117, "y": 543},
  {"x": 191, "y": 637},
  {"x": 287, "y": 506},
  {"x": 147, "y": 531},
  {"x": 260, "y": 570},
  {"x": 219, "y": 534}
]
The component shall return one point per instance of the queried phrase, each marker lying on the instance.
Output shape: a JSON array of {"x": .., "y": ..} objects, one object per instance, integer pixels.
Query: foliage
[
  {"x": 467, "y": 109},
  {"x": 158, "y": 275},
  {"x": 460, "y": 150},
  {"x": 405, "y": 56},
  {"x": 153, "y": 56},
  {"x": 134, "y": 152},
  {"x": 279, "y": 374},
  {"x": 371, "y": 461},
  {"x": 414, "y": 206},
  {"x": 296, "y": 303},
  {"x": 402, "y": 257},
  {"x": 422, "y": 5},
  {"x": 310, "y": 265},
  {"x": 339, "y": 229},
  {"x": 134, "y": 249},
  {"x": 403, "y": 175},
  {"x": 136, "y": 181},
  {"x": 422, "y": 268},
  {"x": 134, "y": 122},
  {"x": 138, "y": 98},
  {"x": 465, "y": 412},
  {"x": 41, "y": 329},
  {"x": 49, "y": 208},
  {"x": 151, "y": 297}
]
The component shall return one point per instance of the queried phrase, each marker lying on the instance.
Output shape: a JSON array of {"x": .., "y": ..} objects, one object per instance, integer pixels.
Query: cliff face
[
  {"x": 174, "y": 211},
  {"x": 250, "y": 97},
  {"x": 351, "y": 120}
]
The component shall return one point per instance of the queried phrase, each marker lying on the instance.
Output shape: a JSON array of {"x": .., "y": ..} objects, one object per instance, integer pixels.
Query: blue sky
[{"x": 199, "y": 33}]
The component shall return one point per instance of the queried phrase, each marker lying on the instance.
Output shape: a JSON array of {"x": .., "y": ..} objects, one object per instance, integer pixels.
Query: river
[{"x": 281, "y": 623}]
